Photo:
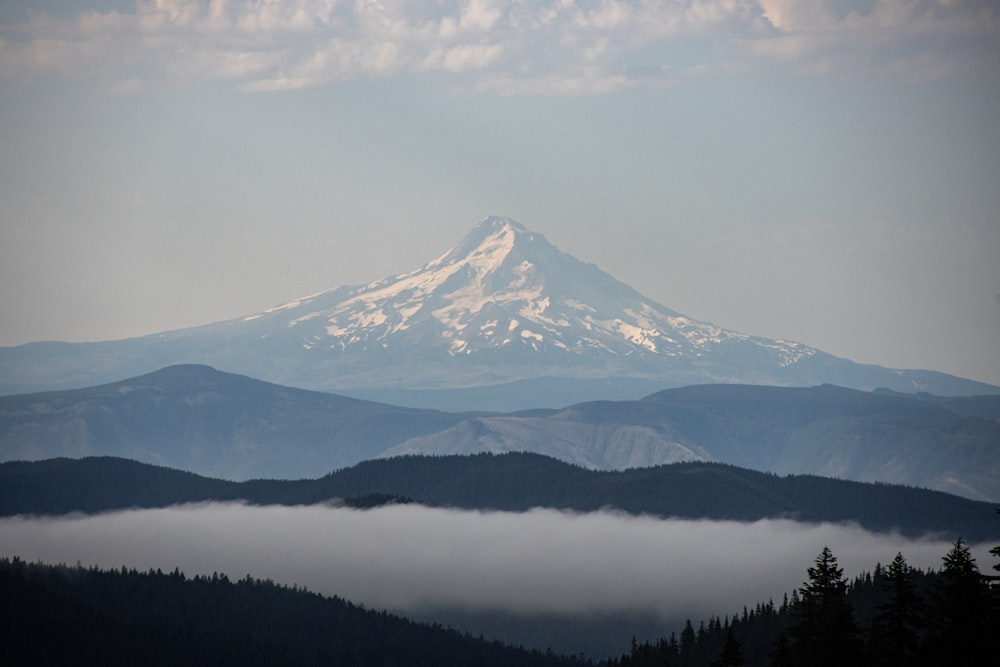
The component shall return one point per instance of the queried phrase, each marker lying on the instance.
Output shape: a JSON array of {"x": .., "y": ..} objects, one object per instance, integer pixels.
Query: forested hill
[
  {"x": 895, "y": 616},
  {"x": 512, "y": 482},
  {"x": 75, "y": 616}
]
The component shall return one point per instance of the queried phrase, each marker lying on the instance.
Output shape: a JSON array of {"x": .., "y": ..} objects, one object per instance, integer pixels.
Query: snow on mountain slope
[
  {"x": 503, "y": 306},
  {"x": 505, "y": 293}
]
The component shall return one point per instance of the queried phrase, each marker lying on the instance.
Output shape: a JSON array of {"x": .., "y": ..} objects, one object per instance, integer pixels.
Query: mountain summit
[{"x": 502, "y": 306}]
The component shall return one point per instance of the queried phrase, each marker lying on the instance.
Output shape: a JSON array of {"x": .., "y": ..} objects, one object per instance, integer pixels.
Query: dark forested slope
[
  {"x": 511, "y": 482},
  {"x": 895, "y": 616},
  {"x": 74, "y": 616}
]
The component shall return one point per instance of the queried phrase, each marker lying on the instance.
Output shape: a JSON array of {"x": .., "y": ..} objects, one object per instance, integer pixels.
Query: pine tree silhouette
[
  {"x": 894, "y": 639},
  {"x": 960, "y": 613},
  {"x": 825, "y": 633}
]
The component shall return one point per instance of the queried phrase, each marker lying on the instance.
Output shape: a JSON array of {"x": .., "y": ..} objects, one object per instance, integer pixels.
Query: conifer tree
[
  {"x": 960, "y": 618},
  {"x": 993, "y": 581},
  {"x": 781, "y": 654},
  {"x": 688, "y": 640},
  {"x": 825, "y": 633},
  {"x": 894, "y": 640},
  {"x": 732, "y": 653}
]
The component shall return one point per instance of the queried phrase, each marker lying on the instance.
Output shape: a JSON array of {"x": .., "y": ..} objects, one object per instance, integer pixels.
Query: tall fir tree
[
  {"x": 781, "y": 653},
  {"x": 688, "y": 641},
  {"x": 960, "y": 614},
  {"x": 732, "y": 653},
  {"x": 825, "y": 633},
  {"x": 894, "y": 639}
]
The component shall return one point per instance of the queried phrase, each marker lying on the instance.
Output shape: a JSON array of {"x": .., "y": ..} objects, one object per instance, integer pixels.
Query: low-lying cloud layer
[{"x": 407, "y": 557}]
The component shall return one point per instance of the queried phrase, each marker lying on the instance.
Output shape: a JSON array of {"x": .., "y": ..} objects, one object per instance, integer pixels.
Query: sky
[
  {"x": 409, "y": 557},
  {"x": 825, "y": 171}
]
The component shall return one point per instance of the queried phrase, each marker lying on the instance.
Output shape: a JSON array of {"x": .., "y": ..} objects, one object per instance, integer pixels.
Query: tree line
[
  {"x": 59, "y": 615},
  {"x": 896, "y": 616}
]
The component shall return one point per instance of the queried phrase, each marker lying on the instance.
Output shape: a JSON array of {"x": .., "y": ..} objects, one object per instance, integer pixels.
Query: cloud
[
  {"x": 913, "y": 39},
  {"x": 491, "y": 46},
  {"x": 570, "y": 85},
  {"x": 468, "y": 56},
  {"x": 410, "y": 557}
]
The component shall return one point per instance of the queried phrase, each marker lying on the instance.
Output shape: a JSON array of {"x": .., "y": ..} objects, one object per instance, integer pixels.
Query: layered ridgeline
[
  {"x": 511, "y": 483},
  {"x": 231, "y": 426},
  {"x": 220, "y": 424},
  {"x": 949, "y": 444},
  {"x": 503, "y": 306}
]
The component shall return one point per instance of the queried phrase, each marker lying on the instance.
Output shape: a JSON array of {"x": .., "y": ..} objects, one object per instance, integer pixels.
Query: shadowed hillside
[{"x": 512, "y": 482}]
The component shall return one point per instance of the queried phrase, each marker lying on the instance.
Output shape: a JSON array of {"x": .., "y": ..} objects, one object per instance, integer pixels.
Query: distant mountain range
[
  {"x": 824, "y": 430},
  {"x": 199, "y": 419},
  {"x": 219, "y": 424},
  {"x": 509, "y": 482},
  {"x": 504, "y": 320}
]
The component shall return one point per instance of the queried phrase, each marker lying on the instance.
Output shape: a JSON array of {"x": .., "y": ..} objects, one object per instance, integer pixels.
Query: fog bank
[{"x": 406, "y": 557}]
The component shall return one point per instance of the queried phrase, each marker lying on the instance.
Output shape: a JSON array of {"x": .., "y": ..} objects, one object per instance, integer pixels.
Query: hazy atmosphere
[
  {"x": 825, "y": 171},
  {"x": 406, "y": 557}
]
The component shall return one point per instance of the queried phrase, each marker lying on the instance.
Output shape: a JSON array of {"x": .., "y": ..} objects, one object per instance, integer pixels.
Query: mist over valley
[{"x": 411, "y": 559}]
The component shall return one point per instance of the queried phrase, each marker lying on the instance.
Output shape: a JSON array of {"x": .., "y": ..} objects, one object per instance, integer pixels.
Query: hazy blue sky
[{"x": 826, "y": 171}]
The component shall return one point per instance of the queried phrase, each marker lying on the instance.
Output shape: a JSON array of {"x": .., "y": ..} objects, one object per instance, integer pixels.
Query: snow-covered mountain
[{"x": 503, "y": 306}]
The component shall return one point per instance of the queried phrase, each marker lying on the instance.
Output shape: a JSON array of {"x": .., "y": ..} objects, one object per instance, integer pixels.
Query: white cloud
[
  {"x": 887, "y": 30},
  {"x": 533, "y": 47},
  {"x": 565, "y": 85},
  {"x": 470, "y": 56},
  {"x": 479, "y": 15}
]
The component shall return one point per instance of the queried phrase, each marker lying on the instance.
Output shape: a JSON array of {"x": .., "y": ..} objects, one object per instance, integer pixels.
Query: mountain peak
[
  {"x": 505, "y": 293},
  {"x": 497, "y": 222},
  {"x": 492, "y": 240},
  {"x": 503, "y": 305}
]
